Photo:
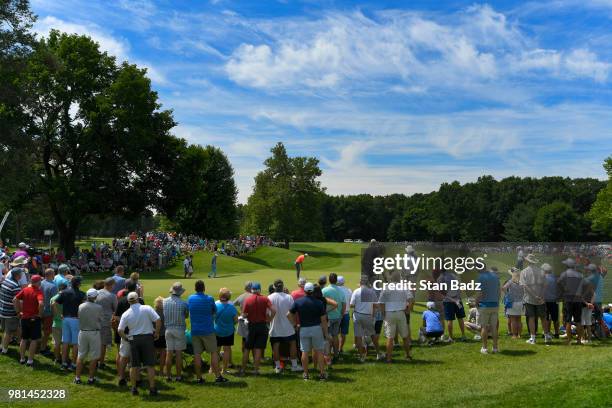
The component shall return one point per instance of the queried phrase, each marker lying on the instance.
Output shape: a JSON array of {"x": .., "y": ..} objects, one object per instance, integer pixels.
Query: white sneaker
[
  {"x": 380, "y": 356},
  {"x": 531, "y": 341},
  {"x": 297, "y": 369},
  {"x": 278, "y": 370},
  {"x": 495, "y": 351},
  {"x": 484, "y": 351},
  {"x": 547, "y": 338},
  {"x": 477, "y": 337},
  {"x": 362, "y": 359}
]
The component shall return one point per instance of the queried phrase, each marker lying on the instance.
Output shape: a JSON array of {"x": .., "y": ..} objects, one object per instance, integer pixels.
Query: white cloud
[
  {"x": 584, "y": 63},
  {"x": 117, "y": 47},
  {"x": 114, "y": 46},
  {"x": 348, "y": 51}
]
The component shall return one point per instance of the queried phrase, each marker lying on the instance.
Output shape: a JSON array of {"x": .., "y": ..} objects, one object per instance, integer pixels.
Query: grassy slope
[{"x": 451, "y": 375}]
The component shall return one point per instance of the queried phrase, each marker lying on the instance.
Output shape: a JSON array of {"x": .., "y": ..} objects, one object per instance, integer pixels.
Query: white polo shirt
[
  {"x": 363, "y": 299},
  {"x": 139, "y": 319}
]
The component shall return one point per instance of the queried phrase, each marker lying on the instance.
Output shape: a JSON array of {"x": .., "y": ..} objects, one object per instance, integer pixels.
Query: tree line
[{"x": 289, "y": 204}]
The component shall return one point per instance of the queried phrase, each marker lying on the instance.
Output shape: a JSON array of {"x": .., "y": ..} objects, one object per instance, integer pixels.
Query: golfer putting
[{"x": 299, "y": 264}]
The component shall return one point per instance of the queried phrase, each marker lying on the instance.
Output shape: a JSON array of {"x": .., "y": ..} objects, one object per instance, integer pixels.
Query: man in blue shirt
[
  {"x": 202, "y": 309},
  {"x": 119, "y": 279},
  {"x": 62, "y": 270},
  {"x": 488, "y": 308}
]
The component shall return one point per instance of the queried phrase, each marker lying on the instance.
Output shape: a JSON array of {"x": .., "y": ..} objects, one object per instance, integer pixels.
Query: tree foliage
[
  {"x": 287, "y": 197},
  {"x": 601, "y": 212},
  {"x": 201, "y": 193}
]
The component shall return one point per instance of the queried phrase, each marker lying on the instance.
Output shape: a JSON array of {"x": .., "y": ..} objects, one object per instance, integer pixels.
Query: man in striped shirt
[
  {"x": 8, "y": 315},
  {"x": 175, "y": 313}
]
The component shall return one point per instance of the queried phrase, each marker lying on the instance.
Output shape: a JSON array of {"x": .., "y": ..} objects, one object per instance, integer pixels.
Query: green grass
[{"x": 444, "y": 375}]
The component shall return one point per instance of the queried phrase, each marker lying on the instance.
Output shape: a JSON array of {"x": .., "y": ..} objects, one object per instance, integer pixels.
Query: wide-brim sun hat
[
  {"x": 569, "y": 262},
  {"x": 19, "y": 261}
]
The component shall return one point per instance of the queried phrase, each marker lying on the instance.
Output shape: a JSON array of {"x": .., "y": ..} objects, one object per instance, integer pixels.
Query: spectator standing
[
  {"x": 90, "y": 342},
  {"x": 108, "y": 301},
  {"x": 201, "y": 311},
  {"x": 453, "y": 306},
  {"x": 335, "y": 316},
  {"x": 571, "y": 287},
  {"x": 119, "y": 279},
  {"x": 29, "y": 305},
  {"x": 258, "y": 310},
  {"x": 281, "y": 329},
  {"x": 70, "y": 299},
  {"x": 144, "y": 326},
  {"x": 49, "y": 289},
  {"x": 551, "y": 305},
  {"x": 226, "y": 318},
  {"x": 533, "y": 282},
  {"x": 488, "y": 308},
  {"x": 313, "y": 329},
  {"x": 175, "y": 313},
  {"x": 346, "y": 320},
  {"x": 514, "y": 298}
]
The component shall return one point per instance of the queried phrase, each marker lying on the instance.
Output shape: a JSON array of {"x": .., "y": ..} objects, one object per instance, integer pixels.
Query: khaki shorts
[
  {"x": 124, "y": 349},
  {"x": 363, "y": 325},
  {"x": 488, "y": 316},
  {"x": 175, "y": 340},
  {"x": 206, "y": 343},
  {"x": 395, "y": 323},
  {"x": 9, "y": 324},
  {"x": 90, "y": 345}
]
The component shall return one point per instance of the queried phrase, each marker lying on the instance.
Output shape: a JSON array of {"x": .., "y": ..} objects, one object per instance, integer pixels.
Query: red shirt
[
  {"x": 255, "y": 307},
  {"x": 31, "y": 297},
  {"x": 298, "y": 293},
  {"x": 299, "y": 259}
]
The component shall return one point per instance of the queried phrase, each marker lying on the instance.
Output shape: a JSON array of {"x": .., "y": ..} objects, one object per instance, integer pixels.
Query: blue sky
[{"x": 392, "y": 97}]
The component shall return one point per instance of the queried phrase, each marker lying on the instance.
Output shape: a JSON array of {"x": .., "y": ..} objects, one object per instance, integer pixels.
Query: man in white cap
[
  {"x": 90, "y": 323},
  {"x": 144, "y": 326},
  {"x": 571, "y": 284},
  {"x": 346, "y": 320},
  {"x": 533, "y": 282}
]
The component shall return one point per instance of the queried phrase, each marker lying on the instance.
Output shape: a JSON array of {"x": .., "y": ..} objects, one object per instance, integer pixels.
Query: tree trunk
[{"x": 67, "y": 234}]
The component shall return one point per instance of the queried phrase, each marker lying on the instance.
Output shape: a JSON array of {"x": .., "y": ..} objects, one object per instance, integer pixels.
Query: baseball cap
[
  {"x": 301, "y": 281},
  {"x": 340, "y": 280},
  {"x": 36, "y": 279},
  {"x": 92, "y": 293},
  {"x": 431, "y": 305},
  {"x": 309, "y": 287},
  {"x": 256, "y": 286},
  {"x": 132, "y": 296}
]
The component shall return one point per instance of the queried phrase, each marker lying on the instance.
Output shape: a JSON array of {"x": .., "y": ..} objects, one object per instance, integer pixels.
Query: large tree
[
  {"x": 557, "y": 222},
  {"x": 201, "y": 194},
  {"x": 96, "y": 138},
  {"x": 601, "y": 212},
  {"x": 287, "y": 197}
]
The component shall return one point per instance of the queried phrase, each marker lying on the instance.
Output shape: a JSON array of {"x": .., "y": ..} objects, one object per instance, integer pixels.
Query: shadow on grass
[{"x": 518, "y": 353}]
